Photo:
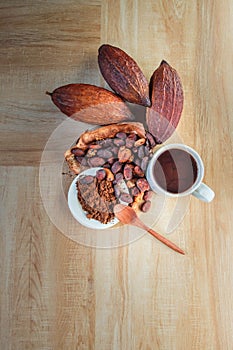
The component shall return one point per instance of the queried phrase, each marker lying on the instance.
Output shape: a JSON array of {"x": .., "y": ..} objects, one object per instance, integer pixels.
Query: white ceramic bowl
[{"x": 76, "y": 209}]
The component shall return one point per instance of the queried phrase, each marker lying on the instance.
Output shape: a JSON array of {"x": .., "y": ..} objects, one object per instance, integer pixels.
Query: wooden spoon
[{"x": 127, "y": 215}]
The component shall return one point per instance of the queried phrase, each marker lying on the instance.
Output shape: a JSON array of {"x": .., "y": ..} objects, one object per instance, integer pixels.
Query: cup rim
[{"x": 200, "y": 169}]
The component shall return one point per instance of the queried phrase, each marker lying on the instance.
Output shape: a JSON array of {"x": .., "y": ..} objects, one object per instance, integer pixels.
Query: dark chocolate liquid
[{"x": 175, "y": 170}]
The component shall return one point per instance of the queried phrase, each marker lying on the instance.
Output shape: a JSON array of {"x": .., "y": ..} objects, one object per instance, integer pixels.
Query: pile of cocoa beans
[{"x": 126, "y": 157}]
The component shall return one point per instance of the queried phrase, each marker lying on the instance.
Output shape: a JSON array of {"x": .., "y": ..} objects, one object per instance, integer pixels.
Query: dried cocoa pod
[
  {"x": 167, "y": 102},
  {"x": 90, "y": 104},
  {"x": 123, "y": 75}
]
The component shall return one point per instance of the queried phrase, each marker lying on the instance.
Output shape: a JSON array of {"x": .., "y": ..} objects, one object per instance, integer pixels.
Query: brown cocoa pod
[
  {"x": 128, "y": 172},
  {"x": 143, "y": 185},
  {"x": 167, "y": 102},
  {"x": 146, "y": 206},
  {"x": 116, "y": 167},
  {"x": 123, "y": 75},
  {"x": 78, "y": 152},
  {"x": 90, "y": 104},
  {"x": 96, "y": 161},
  {"x": 124, "y": 154}
]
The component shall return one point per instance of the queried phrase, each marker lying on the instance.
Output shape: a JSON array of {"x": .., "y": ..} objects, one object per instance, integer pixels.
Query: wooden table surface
[{"x": 59, "y": 294}]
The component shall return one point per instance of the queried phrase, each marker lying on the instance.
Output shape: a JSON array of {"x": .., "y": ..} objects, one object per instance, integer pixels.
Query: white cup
[{"x": 197, "y": 189}]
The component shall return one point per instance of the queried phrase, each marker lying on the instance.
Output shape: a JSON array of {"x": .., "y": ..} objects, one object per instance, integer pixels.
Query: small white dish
[{"x": 76, "y": 209}]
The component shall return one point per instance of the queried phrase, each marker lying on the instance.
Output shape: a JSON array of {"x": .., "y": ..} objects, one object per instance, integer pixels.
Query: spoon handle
[{"x": 165, "y": 241}]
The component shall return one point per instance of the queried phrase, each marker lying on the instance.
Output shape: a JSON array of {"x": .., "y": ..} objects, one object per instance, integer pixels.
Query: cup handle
[{"x": 204, "y": 193}]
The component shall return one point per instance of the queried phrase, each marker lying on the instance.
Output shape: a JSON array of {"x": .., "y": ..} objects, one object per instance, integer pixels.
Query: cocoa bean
[
  {"x": 121, "y": 135},
  {"x": 116, "y": 167},
  {"x": 146, "y": 206},
  {"x": 135, "y": 191},
  {"x": 151, "y": 139},
  {"x": 143, "y": 185},
  {"x": 144, "y": 163},
  {"x": 100, "y": 174},
  {"x": 86, "y": 180},
  {"x": 132, "y": 136},
  {"x": 148, "y": 195},
  {"x": 139, "y": 142},
  {"x": 117, "y": 191},
  {"x": 96, "y": 161},
  {"x": 118, "y": 177},
  {"x": 124, "y": 154},
  {"x": 91, "y": 153},
  {"x": 104, "y": 153},
  {"x": 130, "y": 183},
  {"x": 129, "y": 142},
  {"x": 138, "y": 171},
  {"x": 94, "y": 146},
  {"x": 78, "y": 152},
  {"x": 126, "y": 197},
  {"x": 119, "y": 142},
  {"x": 128, "y": 173},
  {"x": 141, "y": 153}
]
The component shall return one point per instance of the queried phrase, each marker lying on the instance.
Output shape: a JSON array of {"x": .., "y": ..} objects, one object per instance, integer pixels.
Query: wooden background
[{"x": 57, "y": 294}]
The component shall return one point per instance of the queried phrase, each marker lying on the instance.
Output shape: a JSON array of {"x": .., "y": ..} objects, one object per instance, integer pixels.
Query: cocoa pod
[
  {"x": 90, "y": 104},
  {"x": 123, "y": 75},
  {"x": 167, "y": 102}
]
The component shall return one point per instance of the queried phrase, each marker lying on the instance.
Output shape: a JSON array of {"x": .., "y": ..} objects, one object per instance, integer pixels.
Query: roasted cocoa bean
[
  {"x": 129, "y": 142},
  {"x": 143, "y": 185},
  {"x": 132, "y": 136},
  {"x": 115, "y": 150},
  {"x": 138, "y": 171},
  {"x": 128, "y": 173},
  {"x": 78, "y": 152},
  {"x": 118, "y": 177},
  {"x": 135, "y": 191},
  {"x": 124, "y": 154},
  {"x": 86, "y": 180},
  {"x": 141, "y": 153},
  {"x": 117, "y": 191},
  {"x": 100, "y": 174},
  {"x": 96, "y": 161},
  {"x": 116, "y": 167},
  {"x": 147, "y": 195},
  {"x": 105, "y": 143},
  {"x": 139, "y": 142},
  {"x": 146, "y": 206},
  {"x": 119, "y": 142},
  {"x": 104, "y": 153},
  {"x": 121, "y": 135},
  {"x": 130, "y": 183},
  {"x": 91, "y": 153},
  {"x": 126, "y": 197},
  {"x": 144, "y": 163}
]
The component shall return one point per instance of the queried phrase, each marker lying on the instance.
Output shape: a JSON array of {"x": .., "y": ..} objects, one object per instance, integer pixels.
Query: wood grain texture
[{"x": 57, "y": 294}]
